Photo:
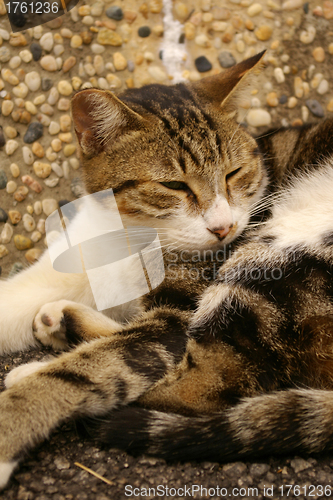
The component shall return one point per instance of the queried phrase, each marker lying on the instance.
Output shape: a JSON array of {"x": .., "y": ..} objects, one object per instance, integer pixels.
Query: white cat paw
[
  {"x": 49, "y": 324},
  {"x": 23, "y": 371},
  {"x": 6, "y": 469}
]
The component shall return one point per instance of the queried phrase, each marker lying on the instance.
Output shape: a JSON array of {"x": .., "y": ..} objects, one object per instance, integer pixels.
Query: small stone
[
  {"x": 96, "y": 9},
  {"x": 115, "y": 12},
  {"x": 318, "y": 54},
  {"x": 30, "y": 209},
  {"x": 15, "y": 62},
  {"x": 26, "y": 56},
  {"x": 84, "y": 10},
  {"x": 46, "y": 42},
  {"x": 258, "y": 470},
  {"x": 11, "y": 187},
  {"x": 34, "y": 132},
  {"x": 57, "y": 169},
  {"x": 49, "y": 63},
  {"x": 76, "y": 42},
  {"x": 6, "y": 233},
  {"x": 258, "y": 117},
  {"x": 202, "y": 41},
  {"x": 42, "y": 170},
  {"x": 108, "y": 37},
  {"x": 38, "y": 207},
  {"x": 36, "y": 236},
  {"x": 75, "y": 164},
  {"x": 87, "y": 21},
  {"x": 41, "y": 224},
  {"x": 34, "y": 185},
  {"x": 226, "y": 59},
  {"x": 25, "y": 117},
  {"x": 329, "y": 108},
  {"x": 305, "y": 113},
  {"x": 7, "y": 107},
  {"x": 52, "y": 99},
  {"x": 130, "y": 16},
  {"x": 59, "y": 50},
  {"x": 47, "y": 83},
  {"x": 318, "y": 77},
  {"x": 99, "y": 65},
  {"x": 323, "y": 87},
  {"x": 14, "y": 216},
  {"x": 279, "y": 75},
  {"x": 65, "y": 88},
  {"x": 299, "y": 464},
  {"x": 77, "y": 187},
  {"x": 4, "y": 33},
  {"x": 307, "y": 36},
  {"x": 28, "y": 223},
  {"x": 47, "y": 109},
  {"x": 9, "y": 77},
  {"x": 3, "y": 215},
  {"x": 119, "y": 61},
  {"x": 3, "y": 179},
  {"x": 157, "y": 73},
  {"x": 298, "y": 87},
  {"x": 189, "y": 30},
  {"x": 264, "y": 32},
  {"x": 36, "y": 51},
  {"x": 254, "y": 9},
  {"x": 181, "y": 10},
  {"x": 31, "y": 108},
  {"x": 113, "y": 81},
  {"x": 328, "y": 10},
  {"x": 144, "y": 31},
  {"x": 17, "y": 40},
  {"x": 22, "y": 242},
  {"x": 202, "y": 64},
  {"x": 11, "y": 147},
  {"x": 292, "y": 102},
  {"x": 69, "y": 63},
  {"x": 14, "y": 170},
  {"x": 3, "y": 251},
  {"x": 96, "y": 48},
  {"x": 51, "y": 183},
  {"x": 49, "y": 206},
  {"x": 66, "y": 137},
  {"x": 33, "y": 254},
  {"x": 4, "y": 54},
  {"x": 155, "y": 6},
  {"x": 50, "y": 154},
  {"x": 315, "y": 107},
  {"x": 21, "y": 193},
  {"x": 10, "y": 132},
  {"x": 56, "y": 145},
  {"x": 69, "y": 149},
  {"x": 54, "y": 128},
  {"x": 292, "y": 4}
]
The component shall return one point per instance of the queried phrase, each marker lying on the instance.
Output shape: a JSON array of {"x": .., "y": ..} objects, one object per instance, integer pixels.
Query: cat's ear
[
  {"x": 99, "y": 118},
  {"x": 225, "y": 89}
]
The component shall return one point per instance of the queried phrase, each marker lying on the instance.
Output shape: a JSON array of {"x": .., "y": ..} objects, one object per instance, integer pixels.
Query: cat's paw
[
  {"x": 49, "y": 324},
  {"x": 6, "y": 469},
  {"x": 23, "y": 371}
]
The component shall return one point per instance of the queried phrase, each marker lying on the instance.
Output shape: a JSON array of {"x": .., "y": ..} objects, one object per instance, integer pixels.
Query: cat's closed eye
[
  {"x": 176, "y": 185},
  {"x": 232, "y": 174}
]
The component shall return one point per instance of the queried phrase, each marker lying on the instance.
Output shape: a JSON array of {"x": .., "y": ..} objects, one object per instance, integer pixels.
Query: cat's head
[{"x": 174, "y": 156}]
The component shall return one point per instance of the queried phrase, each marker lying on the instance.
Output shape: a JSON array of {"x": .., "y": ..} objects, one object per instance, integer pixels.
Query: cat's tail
[{"x": 283, "y": 422}]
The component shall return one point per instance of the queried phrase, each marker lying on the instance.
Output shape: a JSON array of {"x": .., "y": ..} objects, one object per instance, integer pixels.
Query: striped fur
[{"x": 247, "y": 371}]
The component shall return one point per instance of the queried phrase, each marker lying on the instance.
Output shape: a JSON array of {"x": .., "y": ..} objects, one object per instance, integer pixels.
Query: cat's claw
[{"x": 49, "y": 325}]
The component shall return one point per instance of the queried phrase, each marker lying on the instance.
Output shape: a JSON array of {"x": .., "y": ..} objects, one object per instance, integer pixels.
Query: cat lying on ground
[{"x": 246, "y": 372}]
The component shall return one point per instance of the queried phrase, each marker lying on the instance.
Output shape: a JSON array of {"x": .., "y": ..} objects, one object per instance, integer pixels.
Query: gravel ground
[{"x": 105, "y": 44}]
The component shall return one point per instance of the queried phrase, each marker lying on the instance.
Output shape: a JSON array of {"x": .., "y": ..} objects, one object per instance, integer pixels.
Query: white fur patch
[{"x": 304, "y": 212}]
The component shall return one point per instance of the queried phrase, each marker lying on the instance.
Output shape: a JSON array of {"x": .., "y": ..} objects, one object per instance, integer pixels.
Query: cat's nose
[{"x": 221, "y": 232}]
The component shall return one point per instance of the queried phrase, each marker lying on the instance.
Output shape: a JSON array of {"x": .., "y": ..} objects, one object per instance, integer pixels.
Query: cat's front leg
[
  {"x": 65, "y": 323},
  {"x": 22, "y": 296},
  {"x": 91, "y": 380}
]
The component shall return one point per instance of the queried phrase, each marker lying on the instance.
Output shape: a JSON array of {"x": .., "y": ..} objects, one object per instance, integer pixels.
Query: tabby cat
[{"x": 246, "y": 372}]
